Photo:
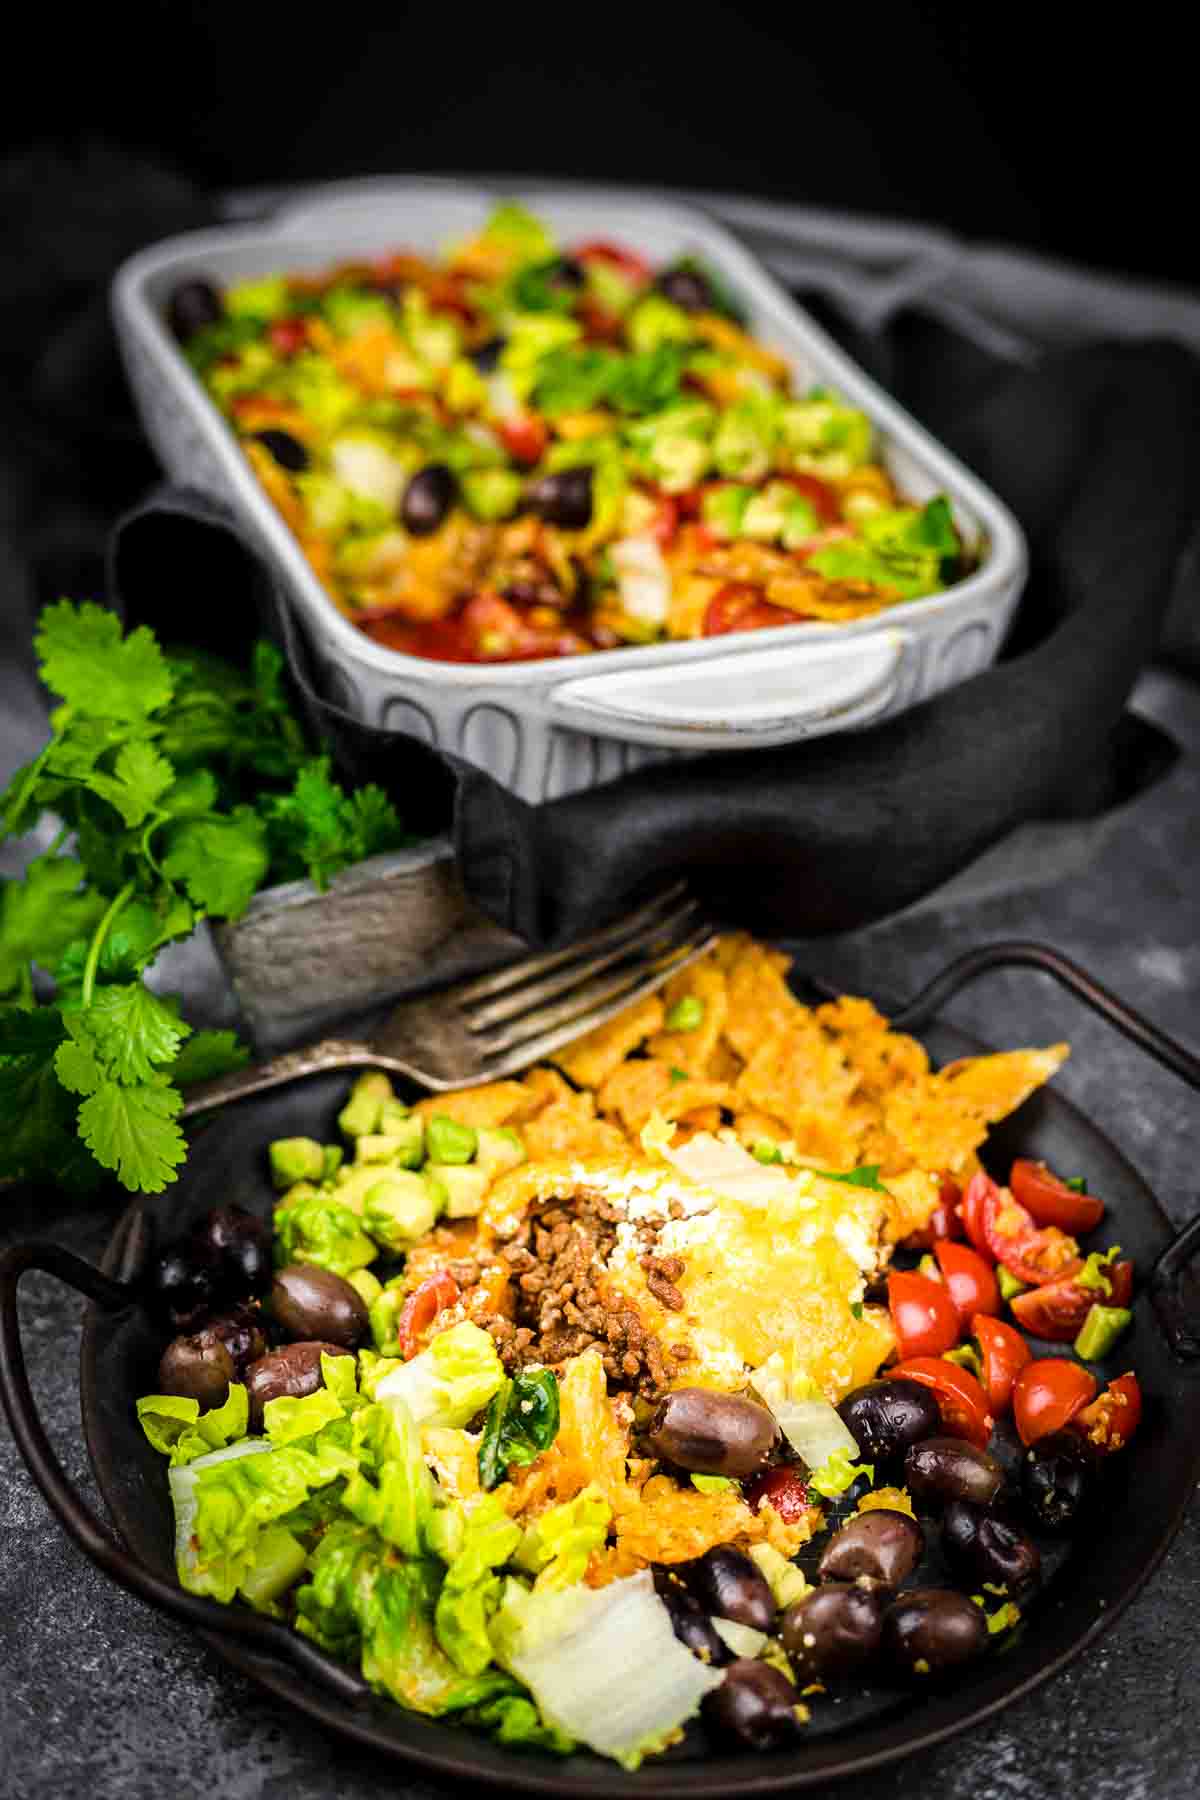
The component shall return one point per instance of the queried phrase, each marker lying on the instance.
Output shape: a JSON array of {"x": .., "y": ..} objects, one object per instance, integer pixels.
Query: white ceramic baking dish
[{"x": 551, "y": 728}]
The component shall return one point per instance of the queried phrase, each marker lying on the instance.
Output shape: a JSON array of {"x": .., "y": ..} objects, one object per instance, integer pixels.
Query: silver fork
[{"x": 485, "y": 1029}]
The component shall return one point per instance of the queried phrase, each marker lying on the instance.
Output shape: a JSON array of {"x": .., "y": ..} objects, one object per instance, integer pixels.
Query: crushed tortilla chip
[
  {"x": 692, "y": 1050},
  {"x": 590, "y": 1059},
  {"x": 942, "y": 1119},
  {"x": 495, "y": 1104}
]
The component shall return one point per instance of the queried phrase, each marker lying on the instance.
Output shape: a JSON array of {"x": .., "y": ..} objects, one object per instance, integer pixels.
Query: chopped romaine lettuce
[
  {"x": 390, "y": 1487},
  {"x": 449, "y": 1382},
  {"x": 474, "y": 1539},
  {"x": 556, "y": 1547},
  {"x": 176, "y": 1426}
]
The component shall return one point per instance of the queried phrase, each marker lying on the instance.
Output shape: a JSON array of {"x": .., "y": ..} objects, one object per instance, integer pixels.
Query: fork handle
[{"x": 315, "y": 1059}]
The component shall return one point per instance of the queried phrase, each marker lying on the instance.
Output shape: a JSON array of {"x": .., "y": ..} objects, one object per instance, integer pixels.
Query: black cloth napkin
[{"x": 1095, "y": 449}]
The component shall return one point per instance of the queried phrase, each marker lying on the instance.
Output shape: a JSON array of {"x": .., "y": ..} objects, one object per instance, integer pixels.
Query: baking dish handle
[
  {"x": 755, "y": 694},
  {"x": 81, "y": 1524},
  {"x": 1175, "y": 1307}
]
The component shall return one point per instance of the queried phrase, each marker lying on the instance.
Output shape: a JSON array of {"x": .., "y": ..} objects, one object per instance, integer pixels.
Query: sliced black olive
[
  {"x": 689, "y": 1621},
  {"x": 755, "y": 1706},
  {"x": 184, "y": 1284},
  {"x": 834, "y": 1630},
  {"x": 242, "y": 1244},
  {"x": 880, "y": 1545},
  {"x": 686, "y": 287},
  {"x": 564, "y": 499},
  {"x": 287, "y": 451},
  {"x": 886, "y": 1417},
  {"x": 946, "y": 1468},
  {"x": 427, "y": 499},
  {"x": 292, "y": 1372},
  {"x": 307, "y": 1302},
  {"x": 193, "y": 305},
  {"x": 929, "y": 1631},
  {"x": 981, "y": 1545},
  {"x": 729, "y": 1585},
  {"x": 487, "y": 357},
  {"x": 1057, "y": 1478},
  {"x": 711, "y": 1433}
]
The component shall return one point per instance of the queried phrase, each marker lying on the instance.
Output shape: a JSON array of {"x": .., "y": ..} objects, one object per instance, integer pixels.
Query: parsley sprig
[{"x": 180, "y": 786}]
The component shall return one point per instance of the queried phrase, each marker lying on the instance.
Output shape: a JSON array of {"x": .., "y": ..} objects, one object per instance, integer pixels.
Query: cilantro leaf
[
  {"x": 219, "y": 861},
  {"x": 39, "y": 916},
  {"x": 38, "y": 1140},
  {"x": 207, "y": 1055},
  {"x": 372, "y": 821},
  {"x": 139, "y": 780},
  {"x": 129, "y": 1030},
  {"x": 86, "y": 661},
  {"x": 192, "y": 794},
  {"x": 29, "y": 1030},
  {"x": 132, "y": 943},
  {"x": 77, "y": 1068},
  {"x": 317, "y": 830},
  {"x": 866, "y": 1176},
  {"x": 133, "y": 1131}
]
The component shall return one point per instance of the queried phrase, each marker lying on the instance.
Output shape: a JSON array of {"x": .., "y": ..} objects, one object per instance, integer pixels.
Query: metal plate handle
[
  {"x": 81, "y": 1524},
  {"x": 1176, "y": 1310}
]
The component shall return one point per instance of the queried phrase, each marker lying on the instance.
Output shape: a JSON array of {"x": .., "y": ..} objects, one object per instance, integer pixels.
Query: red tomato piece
[
  {"x": 739, "y": 607},
  {"x": 961, "y": 1400},
  {"x": 1047, "y": 1394},
  {"x": 665, "y": 522},
  {"x": 822, "y": 498},
  {"x": 971, "y": 1211},
  {"x": 968, "y": 1278},
  {"x": 525, "y": 437},
  {"x": 287, "y": 336},
  {"x": 1111, "y": 1420},
  {"x": 1056, "y": 1310},
  {"x": 1050, "y": 1201},
  {"x": 422, "y": 1307},
  {"x": 924, "y": 1315},
  {"x": 785, "y": 1488},
  {"x": 628, "y": 261},
  {"x": 1120, "y": 1280},
  {"x": 944, "y": 1221},
  {"x": 1034, "y": 1256},
  {"x": 1004, "y": 1353}
]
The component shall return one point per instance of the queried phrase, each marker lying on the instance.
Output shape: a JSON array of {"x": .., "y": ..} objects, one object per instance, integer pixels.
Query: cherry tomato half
[
  {"x": 1051, "y": 1201},
  {"x": 786, "y": 1490},
  {"x": 1032, "y": 1255},
  {"x": 665, "y": 523},
  {"x": 923, "y": 1313},
  {"x": 1004, "y": 1353},
  {"x": 422, "y": 1307},
  {"x": 1111, "y": 1420},
  {"x": 1056, "y": 1310},
  {"x": 739, "y": 607},
  {"x": 525, "y": 437},
  {"x": 616, "y": 255},
  {"x": 961, "y": 1401},
  {"x": 287, "y": 336},
  {"x": 971, "y": 1211},
  {"x": 969, "y": 1280},
  {"x": 1047, "y": 1394}
]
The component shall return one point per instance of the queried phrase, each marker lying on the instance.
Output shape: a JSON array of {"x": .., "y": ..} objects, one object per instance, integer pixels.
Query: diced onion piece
[
  {"x": 369, "y": 470},
  {"x": 643, "y": 579}
]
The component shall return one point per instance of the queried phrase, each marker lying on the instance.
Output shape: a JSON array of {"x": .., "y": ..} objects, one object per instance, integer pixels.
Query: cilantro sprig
[{"x": 179, "y": 787}]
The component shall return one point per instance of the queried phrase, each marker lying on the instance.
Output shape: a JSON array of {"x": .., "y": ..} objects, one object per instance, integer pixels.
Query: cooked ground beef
[{"x": 561, "y": 1312}]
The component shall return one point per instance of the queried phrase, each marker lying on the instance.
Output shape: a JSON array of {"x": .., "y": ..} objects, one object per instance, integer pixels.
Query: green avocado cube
[
  {"x": 296, "y": 1159},
  {"x": 449, "y": 1142},
  {"x": 399, "y": 1209},
  {"x": 361, "y": 1113},
  {"x": 499, "y": 1150},
  {"x": 402, "y": 1146},
  {"x": 466, "y": 1186}
]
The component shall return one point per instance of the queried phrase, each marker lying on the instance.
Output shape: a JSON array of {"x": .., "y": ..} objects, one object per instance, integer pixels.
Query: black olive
[
  {"x": 487, "y": 357},
  {"x": 292, "y": 1372},
  {"x": 929, "y": 1631},
  {"x": 754, "y": 1706},
  {"x": 307, "y": 1302},
  {"x": 563, "y": 499},
  {"x": 427, "y": 499},
  {"x": 1057, "y": 1475},
  {"x": 199, "y": 1367},
  {"x": 193, "y": 305},
  {"x": 946, "y": 1468},
  {"x": 730, "y": 1586},
  {"x": 886, "y": 1417},
  {"x": 686, "y": 287},
  {"x": 184, "y": 1284},
  {"x": 689, "y": 1621},
  {"x": 242, "y": 1242},
  {"x": 565, "y": 272},
  {"x": 880, "y": 1545},
  {"x": 711, "y": 1433},
  {"x": 834, "y": 1630},
  {"x": 287, "y": 451},
  {"x": 981, "y": 1545}
]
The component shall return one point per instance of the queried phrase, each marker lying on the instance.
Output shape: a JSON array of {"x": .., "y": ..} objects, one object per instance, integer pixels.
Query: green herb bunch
[{"x": 180, "y": 786}]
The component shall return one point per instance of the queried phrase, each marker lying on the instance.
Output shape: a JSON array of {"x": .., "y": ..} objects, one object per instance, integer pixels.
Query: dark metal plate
[{"x": 1108, "y": 1560}]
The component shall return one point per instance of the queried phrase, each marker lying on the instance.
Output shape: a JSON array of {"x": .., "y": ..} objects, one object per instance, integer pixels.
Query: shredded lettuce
[
  {"x": 177, "y": 1428},
  {"x": 473, "y": 1539},
  {"x": 812, "y": 1426},
  {"x": 837, "y": 1473},
  {"x": 556, "y": 1547},
  {"x": 448, "y": 1383},
  {"x": 390, "y": 1487}
]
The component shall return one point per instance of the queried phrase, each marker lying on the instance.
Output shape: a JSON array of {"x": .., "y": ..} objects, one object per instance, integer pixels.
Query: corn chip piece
[
  {"x": 704, "y": 985},
  {"x": 883, "y": 1058},
  {"x": 760, "y": 1003},
  {"x": 570, "y": 1127},
  {"x": 493, "y": 1104},
  {"x": 939, "y": 1121},
  {"x": 591, "y": 1058}
]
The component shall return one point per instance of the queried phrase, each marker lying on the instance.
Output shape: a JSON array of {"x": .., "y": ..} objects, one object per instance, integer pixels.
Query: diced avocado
[
  {"x": 322, "y": 1229},
  {"x": 825, "y": 435},
  {"x": 466, "y": 1185},
  {"x": 672, "y": 447},
  {"x": 723, "y": 509},
  {"x": 303, "y": 1190},
  {"x": 367, "y": 1286},
  {"x": 450, "y": 1142},
  {"x": 517, "y": 234},
  {"x": 334, "y": 1156},
  {"x": 613, "y": 291},
  {"x": 265, "y": 298},
  {"x": 296, "y": 1159},
  {"x": 465, "y": 389},
  {"x": 967, "y": 1357},
  {"x": 403, "y": 1147},
  {"x": 399, "y": 1209},
  {"x": 331, "y": 506},
  {"x": 434, "y": 337},
  {"x": 800, "y": 522},
  {"x": 361, "y": 1112},
  {"x": 348, "y": 310},
  {"x": 392, "y": 1115},
  {"x": 384, "y": 1313},
  {"x": 765, "y": 516},
  {"x": 500, "y": 1149},
  {"x": 766, "y": 1150},
  {"x": 491, "y": 493},
  {"x": 656, "y": 320},
  {"x": 744, "y": 441}
]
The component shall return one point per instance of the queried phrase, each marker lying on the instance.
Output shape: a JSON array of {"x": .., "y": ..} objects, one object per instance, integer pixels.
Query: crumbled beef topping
[{"x": 561, "y": 1311}]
